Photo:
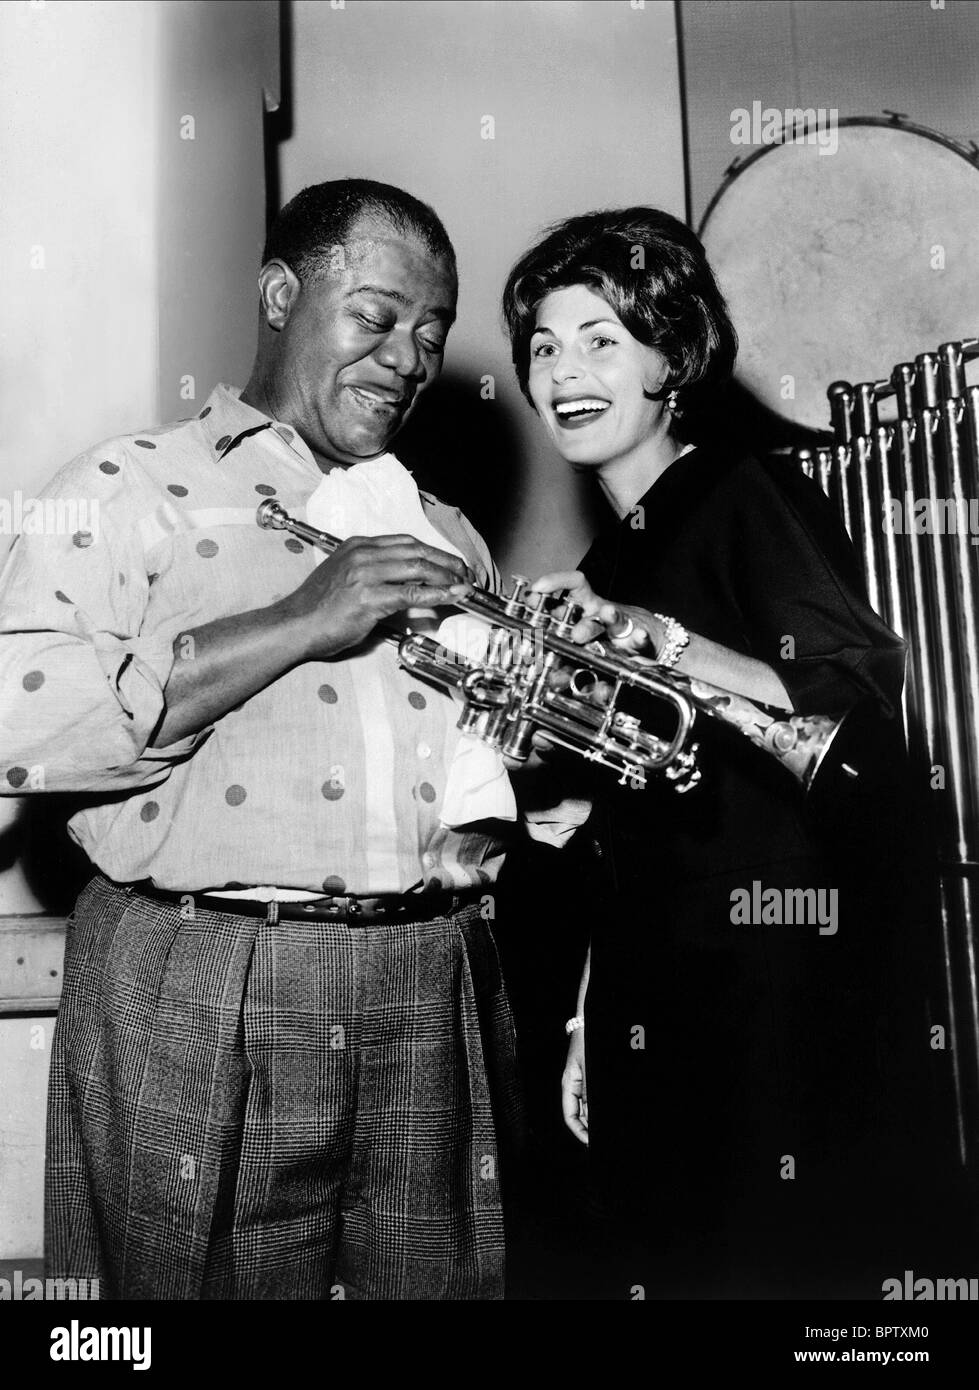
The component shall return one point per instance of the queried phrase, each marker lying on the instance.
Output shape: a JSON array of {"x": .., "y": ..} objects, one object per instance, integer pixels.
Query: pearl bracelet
[
  {"x": 675, "y": 638},
  {"x": 573, "y": 1024}
]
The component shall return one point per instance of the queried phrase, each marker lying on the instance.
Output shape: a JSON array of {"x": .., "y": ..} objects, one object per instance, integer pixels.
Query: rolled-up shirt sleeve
[
  {"x": 555, "y": 825},
  {"x": 554, "y": 798},
  {"x": 81, "y": 680}
]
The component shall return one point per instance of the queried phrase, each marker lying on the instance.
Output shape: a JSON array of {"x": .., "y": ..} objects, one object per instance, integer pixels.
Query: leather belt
[{"x": 352, "y": 908}]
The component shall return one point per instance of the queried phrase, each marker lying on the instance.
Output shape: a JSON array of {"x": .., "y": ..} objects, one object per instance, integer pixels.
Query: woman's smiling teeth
[{"x": 577, "y": 412}]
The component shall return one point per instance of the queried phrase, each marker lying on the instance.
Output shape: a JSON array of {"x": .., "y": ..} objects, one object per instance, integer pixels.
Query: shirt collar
[{"x": 227, "y": 420}]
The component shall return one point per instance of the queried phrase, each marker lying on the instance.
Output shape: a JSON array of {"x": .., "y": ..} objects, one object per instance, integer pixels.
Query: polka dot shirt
[{"x": 329, "y": 780}]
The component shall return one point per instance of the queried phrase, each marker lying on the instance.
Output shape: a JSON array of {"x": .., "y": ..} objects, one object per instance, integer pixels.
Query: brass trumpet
[{"x": 532, "y": 677}]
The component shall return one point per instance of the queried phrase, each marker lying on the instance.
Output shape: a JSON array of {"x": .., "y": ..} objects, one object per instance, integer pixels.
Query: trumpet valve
[
  {"x": 499, "y": 647},
  {"x": 518, "y": 739},
  {"x": 535, "y": 609},
  {"x": 583, "y": 683},
  {"x": 628, "y": 726},
  {"x": 564, "y": 615},
  {"x": 515, "y": 602}
]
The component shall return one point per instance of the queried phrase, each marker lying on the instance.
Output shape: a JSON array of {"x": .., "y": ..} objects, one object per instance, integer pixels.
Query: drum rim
[{"x": 892, "y": 120}]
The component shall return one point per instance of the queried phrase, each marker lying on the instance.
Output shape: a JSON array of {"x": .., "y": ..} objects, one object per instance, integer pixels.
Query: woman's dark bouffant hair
[{"x": 653, "y": 272}]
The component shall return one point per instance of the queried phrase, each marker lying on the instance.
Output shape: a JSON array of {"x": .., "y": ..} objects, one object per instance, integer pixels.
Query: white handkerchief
[
  {"x": 376, "y": 498},
  {"x": 379, "y": 498},
  {"x": 478, "y": 786}
]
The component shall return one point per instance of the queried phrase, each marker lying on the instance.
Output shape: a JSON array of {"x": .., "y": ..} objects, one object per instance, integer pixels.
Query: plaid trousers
[{"x": 307, "y": 1110}]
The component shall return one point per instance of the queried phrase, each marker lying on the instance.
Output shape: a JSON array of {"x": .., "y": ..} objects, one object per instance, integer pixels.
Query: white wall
[
  {"x": 78, "y": 246},
  {"x": 586, "y": 108},
  {"x": 128, "y": 259},
  {"x": 128, "y": 253},
  {"x": 78, "y": 109}
]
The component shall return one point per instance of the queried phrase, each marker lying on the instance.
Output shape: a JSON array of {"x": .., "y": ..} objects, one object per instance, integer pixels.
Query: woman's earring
[{"x": 672, "y": 404}]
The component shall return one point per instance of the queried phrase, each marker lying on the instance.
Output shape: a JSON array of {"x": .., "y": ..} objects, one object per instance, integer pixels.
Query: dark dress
[{"x": 742, "y": 1078}]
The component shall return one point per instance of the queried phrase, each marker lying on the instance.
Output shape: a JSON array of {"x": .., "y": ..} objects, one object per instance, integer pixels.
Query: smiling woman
[
  {"x": 620, "y": 338},
  {"x": 728, "y": 1077},
  {"x": 644, "y": 273},
  {"x": 587, "y": 369}
]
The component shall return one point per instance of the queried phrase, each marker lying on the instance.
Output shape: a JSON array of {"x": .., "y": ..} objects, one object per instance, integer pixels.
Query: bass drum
[{"x": 836, "y": 265}]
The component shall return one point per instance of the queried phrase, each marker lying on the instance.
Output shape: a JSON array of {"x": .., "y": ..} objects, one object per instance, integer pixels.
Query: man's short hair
[
  {"x": 318, "y": 219},
  {"x": 653, "y": 271}
]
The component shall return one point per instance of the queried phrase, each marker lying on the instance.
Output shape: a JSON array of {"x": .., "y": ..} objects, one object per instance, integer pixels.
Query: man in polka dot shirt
[{"x": 283, "y": 1063}]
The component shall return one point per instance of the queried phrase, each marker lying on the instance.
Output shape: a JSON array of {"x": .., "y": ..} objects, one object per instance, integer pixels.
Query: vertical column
[{"x": 219, "y": 75}]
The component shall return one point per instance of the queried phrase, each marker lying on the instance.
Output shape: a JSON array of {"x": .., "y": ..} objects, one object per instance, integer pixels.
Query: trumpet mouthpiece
[{"x": 270, "y": 515}]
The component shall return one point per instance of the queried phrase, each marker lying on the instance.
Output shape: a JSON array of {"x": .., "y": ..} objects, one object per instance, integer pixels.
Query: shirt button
[{"x": 424, "y": 751}]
